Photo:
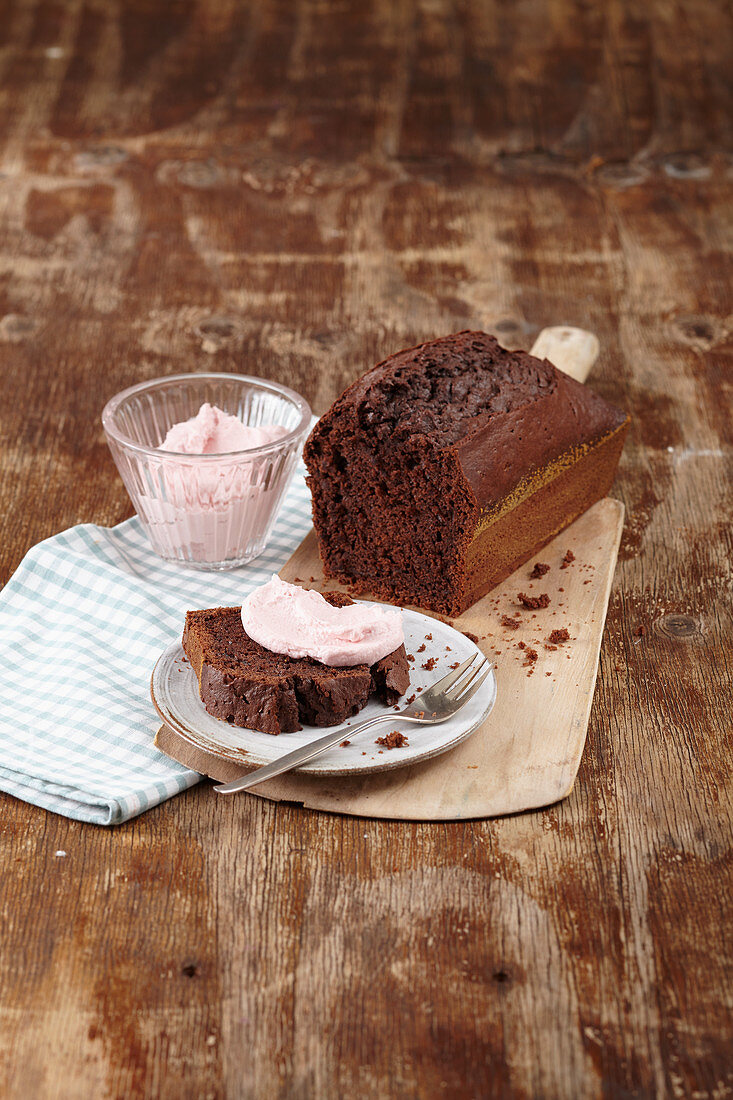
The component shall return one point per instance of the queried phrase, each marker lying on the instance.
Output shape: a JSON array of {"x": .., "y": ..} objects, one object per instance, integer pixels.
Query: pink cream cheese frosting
[
  {"x": 287, "y": 619},
  {"x": 213, "y": 431},
  {"x": 215, "y": 509}
]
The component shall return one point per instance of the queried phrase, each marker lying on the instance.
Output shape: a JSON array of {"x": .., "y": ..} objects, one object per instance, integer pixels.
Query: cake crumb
[
  {"x": 393, "y": 740},
  {"x": 421, "y": 648},
  {"x": 471, "y": 637},
  {"x": 548, "y": 674},
  {"x": 530, "y": 656},
  {"x": 569, "y": 557},
  {"x": 410, "y": 656},
  {"x": 540, "y": 569},
  {"x": 344, "y": 744},
  {"x": 521, "y": 645},
  {"x": 430, "y": 664},
  {"x": 558, "y": 636},
  {"x": 454, "y": 665},
  {"x": 534, "y": 602},
  {"x": 428, "y": 637},
  {"x": 550, "y": 646},
  {"x": 513, "y": 624},
  {"x": 410, "y": 699}
]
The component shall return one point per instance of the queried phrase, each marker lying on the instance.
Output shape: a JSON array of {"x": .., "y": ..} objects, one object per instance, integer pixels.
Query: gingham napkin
[{"x": 82, "y": 622}]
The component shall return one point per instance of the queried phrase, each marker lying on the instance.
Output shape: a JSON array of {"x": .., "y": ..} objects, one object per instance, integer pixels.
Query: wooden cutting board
[{"x": 526, "y": 755}]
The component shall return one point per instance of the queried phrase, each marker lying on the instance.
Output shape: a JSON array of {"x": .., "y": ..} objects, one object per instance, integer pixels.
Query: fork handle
[{"x": 298, "y": 756}]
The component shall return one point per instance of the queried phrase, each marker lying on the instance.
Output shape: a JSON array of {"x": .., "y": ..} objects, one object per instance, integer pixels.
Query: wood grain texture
[{"x": 296, "y": 190}]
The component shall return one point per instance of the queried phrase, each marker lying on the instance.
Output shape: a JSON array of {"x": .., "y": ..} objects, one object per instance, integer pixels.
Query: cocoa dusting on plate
[
  {"x": 534, "y": 602},
  {"x": 393, "y": 740},
  {"x": 430, "y": 664},
  {"x": 471, "y": 637},
  {"x": 513, "y": 624},
  {"x": 559, "y": 636},
  {"x": 569, "y": 557},
  {"x": 540, "y": 569}
]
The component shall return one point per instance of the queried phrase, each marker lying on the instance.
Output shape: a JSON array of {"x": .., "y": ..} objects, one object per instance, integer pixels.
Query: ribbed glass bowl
[{"x": 205, "y": 511}]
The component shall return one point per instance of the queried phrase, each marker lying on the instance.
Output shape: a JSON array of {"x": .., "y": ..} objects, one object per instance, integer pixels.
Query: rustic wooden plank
[{"x": 299, "y": 189}]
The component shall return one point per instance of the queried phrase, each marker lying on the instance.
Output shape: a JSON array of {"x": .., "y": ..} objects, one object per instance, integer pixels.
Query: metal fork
[{"x": 437, "y": 703}]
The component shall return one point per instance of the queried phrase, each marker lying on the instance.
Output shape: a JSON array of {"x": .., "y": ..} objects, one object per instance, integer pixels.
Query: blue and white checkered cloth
[{"x": 82, "y": 622}]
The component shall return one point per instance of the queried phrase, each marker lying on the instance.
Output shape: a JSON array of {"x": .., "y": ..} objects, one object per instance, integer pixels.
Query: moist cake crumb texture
[
  {"x": 247, "y": 685},
  {"x": 448, "y": 465},
  {"x": 393, "y": 740}
]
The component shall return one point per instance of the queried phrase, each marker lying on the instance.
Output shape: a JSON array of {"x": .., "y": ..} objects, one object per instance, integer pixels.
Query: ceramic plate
[{"x": 175, "y": 693}]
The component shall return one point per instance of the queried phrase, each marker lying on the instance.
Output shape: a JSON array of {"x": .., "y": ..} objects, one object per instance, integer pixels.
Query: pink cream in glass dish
[{"x": 206, "y": 459}]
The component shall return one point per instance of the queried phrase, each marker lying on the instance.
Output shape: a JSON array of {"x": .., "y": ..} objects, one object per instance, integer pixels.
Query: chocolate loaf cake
[
  {"x": 250, "y": 686},
  {"x": 448, "y": 465}
]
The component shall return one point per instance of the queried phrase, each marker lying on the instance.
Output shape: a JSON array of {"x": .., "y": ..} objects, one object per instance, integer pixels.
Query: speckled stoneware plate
[{"x": 175, "y": 692}]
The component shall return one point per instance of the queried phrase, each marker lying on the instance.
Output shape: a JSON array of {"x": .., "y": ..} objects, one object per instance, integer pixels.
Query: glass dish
[{"x": 213, "y": 511}]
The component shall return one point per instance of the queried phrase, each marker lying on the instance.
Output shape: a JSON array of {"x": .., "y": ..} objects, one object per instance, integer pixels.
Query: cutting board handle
[{"x": 571, "y": 350}]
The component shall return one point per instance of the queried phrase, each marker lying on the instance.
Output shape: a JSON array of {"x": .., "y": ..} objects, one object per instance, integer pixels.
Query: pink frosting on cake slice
[{"x": 287, "y": 619}]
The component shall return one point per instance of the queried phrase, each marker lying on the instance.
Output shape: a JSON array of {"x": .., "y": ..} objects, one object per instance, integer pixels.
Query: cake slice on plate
[{"x": 249, "y": 685}]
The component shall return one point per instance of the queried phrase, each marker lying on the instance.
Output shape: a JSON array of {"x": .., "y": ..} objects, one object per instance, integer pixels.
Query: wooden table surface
[{"x": 295, "y": 190}]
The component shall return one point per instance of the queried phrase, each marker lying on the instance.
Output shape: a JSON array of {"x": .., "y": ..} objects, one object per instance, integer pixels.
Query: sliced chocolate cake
[
  {"x": 248, "y": 685},
  {"x": 444, "y": 468}
]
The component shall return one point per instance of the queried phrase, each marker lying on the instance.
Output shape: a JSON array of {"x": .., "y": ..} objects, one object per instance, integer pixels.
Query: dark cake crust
[
  {"x": 250, "y": 686},
  {"x": 416, "y": 462}
]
